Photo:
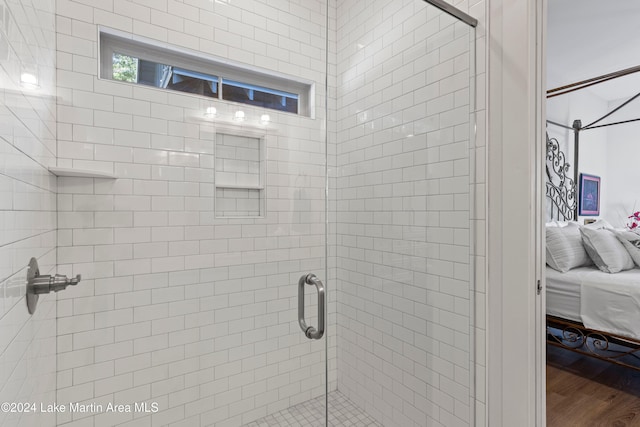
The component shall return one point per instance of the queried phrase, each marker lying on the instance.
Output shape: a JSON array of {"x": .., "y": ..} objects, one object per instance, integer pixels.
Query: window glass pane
[
  {"x": 125, "y": 68},
  {"x": 260, "y": 96},
  {"x": 133, "y": 70},
  {"x": 193, "y": 82},
  {"x": 153, "y": 74}
]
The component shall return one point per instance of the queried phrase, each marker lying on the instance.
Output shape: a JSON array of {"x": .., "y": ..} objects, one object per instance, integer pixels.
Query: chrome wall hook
[{"x": 43, "y": 284}]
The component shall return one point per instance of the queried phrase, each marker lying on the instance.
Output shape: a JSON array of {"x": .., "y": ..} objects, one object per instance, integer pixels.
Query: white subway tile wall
[
  {"x": 238, "y": 160},
  {"x": 199, "y": 314},
  {"x": 239, "y": 202},
  {"x": 239, "y": 175},
  {"x": 27, "y": 206},
  {"x": 405, "y": 241},
  {"x": 178, "y": 307}
]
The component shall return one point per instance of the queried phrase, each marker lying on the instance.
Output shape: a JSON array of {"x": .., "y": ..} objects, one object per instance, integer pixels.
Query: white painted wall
[
  {"x": 594, "y": 149},
  {"x": 27, "y": 207},
  {"x": 623, "y": 174}
]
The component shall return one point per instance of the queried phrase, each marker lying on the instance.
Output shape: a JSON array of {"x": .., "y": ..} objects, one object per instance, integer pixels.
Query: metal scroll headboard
[{"x": 561, "y": 189}]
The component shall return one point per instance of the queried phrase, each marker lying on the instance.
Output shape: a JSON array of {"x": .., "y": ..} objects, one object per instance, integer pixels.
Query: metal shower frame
[{"x": 454, "y": 11}]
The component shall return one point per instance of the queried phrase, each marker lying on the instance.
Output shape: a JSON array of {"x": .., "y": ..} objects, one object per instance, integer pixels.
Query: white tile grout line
[{"x": 342, "y": 413}]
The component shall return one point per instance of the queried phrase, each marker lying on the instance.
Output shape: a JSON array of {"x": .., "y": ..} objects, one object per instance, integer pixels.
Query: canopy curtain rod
[
  {"x": 590, "y": 125},
  {"x": 593, "y": 127},
  {"x": 612, "y": 124},
  {"x": 562, "y": 90},
  {"x": 559, "y": 124}
]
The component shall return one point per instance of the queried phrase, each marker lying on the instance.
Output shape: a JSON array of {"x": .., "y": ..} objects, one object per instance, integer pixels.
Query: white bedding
[
  {"x": 601, "y": 301},
  {"x": 563, "y": 292}
]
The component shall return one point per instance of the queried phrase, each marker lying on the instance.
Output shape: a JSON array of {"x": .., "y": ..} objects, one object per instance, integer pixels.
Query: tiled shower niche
[{"x": 239, "y": 178}]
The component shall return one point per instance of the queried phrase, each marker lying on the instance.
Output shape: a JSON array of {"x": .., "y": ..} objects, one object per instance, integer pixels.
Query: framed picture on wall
[{"x": 589, "y": 200}]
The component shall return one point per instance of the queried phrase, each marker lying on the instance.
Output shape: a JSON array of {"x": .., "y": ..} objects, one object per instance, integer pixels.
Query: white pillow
[
  {"x": 564, "y": 248},
  {"x": 631, "y": 242},
  {"x": 601, "y": 223},
  {"x": 606, "y": 251},
  {"x": 564, "y": 223}
]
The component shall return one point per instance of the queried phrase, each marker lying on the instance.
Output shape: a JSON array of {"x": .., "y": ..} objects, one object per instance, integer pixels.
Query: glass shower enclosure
[
  {"x": 369, "y": 211},
  {"x": 252, "y": 266}
]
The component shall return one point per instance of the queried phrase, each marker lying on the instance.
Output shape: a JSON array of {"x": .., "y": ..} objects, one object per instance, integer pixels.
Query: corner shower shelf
[{"x": 81, "y": 173}]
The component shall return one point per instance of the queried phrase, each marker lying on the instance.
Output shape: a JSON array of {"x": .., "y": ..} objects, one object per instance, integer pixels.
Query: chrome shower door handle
[{"x": 309, "y": 331}]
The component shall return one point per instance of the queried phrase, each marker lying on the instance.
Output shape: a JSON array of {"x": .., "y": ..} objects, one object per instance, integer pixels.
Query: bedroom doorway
[{"x": 589, "y": 202}]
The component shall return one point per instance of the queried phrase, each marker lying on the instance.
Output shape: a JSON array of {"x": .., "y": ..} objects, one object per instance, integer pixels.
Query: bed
[
  {"x": 589, "y": 311},
  {"x": 595, "y": 313}
]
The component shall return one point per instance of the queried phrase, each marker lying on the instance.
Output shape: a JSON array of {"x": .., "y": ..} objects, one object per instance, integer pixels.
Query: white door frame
[
  {"x": 515, "y": 312},
  {"x": 540, "y": 182}
]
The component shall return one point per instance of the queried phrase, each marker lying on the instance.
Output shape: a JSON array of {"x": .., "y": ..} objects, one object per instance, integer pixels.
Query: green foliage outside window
[{"x": 125, "y": 68}]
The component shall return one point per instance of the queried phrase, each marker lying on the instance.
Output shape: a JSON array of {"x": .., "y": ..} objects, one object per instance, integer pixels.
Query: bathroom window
[{"x": 136, "y": 62}]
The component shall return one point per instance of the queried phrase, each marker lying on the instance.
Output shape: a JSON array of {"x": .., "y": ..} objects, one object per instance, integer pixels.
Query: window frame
[{"x": 114, "y": 41}]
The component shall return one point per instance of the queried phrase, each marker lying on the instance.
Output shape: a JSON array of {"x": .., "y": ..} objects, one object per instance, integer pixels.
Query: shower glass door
[
  {"x": 404, "y": 189},
  {"x": 348, "y": 297},
  {"x": 270, "y": 237}
]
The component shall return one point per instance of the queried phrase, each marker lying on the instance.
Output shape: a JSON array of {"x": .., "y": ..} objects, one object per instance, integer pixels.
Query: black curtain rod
[
  {"x": 590, "y": 82},
  {"x": 591, "y": 125},
  {"x": 593, "y": 79},
  {"x": 613, "y": 111},
  {"x": 559, "y": 124},
  {"x": 582, "y": 87},
  {"x": 611, "y": 124}
]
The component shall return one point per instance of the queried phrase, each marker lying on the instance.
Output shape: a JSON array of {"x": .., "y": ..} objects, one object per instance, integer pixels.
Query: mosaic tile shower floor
[{"x": 342, "y": 413}]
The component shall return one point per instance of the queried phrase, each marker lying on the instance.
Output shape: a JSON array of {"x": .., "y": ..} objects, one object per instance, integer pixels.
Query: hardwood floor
[{"x": 586, "y": 392}]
